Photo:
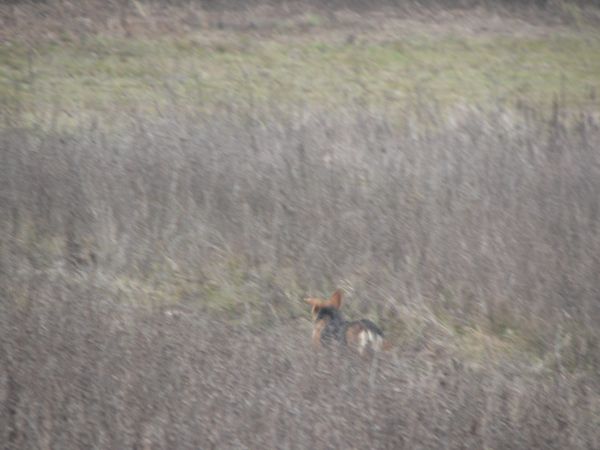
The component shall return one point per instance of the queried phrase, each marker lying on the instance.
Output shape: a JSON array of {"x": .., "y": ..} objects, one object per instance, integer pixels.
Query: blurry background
[{"x": 176, "y": 176}]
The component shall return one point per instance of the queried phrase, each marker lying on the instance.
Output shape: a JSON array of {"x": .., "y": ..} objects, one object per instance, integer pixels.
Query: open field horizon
[
  {"x": 194, "y": 57},
  {"x": 177, "y": 178}
]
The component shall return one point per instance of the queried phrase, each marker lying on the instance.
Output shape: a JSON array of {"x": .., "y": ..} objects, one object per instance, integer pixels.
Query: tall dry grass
[
  {"x": 473, "y": 240},
  {"x": 51, "y": 20},
  {"x": 80, "y": 370}
]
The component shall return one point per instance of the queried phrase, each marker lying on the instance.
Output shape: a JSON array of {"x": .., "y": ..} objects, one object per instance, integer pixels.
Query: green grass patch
[{"x": 100, "y": 74}]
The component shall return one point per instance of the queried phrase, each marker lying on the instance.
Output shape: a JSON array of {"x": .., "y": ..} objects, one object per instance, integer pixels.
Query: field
[{"x": 175, "y": 177}]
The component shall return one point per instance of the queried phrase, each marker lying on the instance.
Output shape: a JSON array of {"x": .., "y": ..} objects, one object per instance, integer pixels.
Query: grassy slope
[
  {"x": 106, "y": 74},
  {"x": 97, "y": 74}
]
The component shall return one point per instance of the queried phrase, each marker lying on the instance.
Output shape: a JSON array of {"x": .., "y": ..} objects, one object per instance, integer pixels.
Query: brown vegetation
[
  {"x": 60, "y": 20},
  {"x": 152, "y": 271},
  {"x": 476, "y": 244}
]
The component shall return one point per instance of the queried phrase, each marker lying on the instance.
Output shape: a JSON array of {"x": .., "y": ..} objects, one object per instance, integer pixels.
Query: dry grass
[
  {"x": 474, "y": 243},
  {"x": 152, "y": 272},
  {"x": 74, "y": 62},
  {"x": 98, "y": 374}
]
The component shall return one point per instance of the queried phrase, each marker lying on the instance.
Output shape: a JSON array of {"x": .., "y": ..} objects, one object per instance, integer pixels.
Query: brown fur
[
  {"x": 352, "y": 334},
  {"x": 317, "y": 330},
  {"x": 330, "y": 326}
]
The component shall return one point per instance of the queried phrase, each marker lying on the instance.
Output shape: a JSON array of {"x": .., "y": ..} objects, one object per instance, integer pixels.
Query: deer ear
[{"x": 336, "y": 299}]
